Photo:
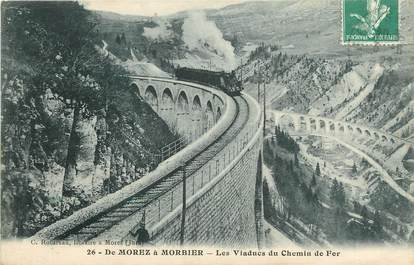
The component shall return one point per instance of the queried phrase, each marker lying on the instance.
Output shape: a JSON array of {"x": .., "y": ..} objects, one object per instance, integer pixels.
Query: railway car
[{"x": 227, "y": 82}]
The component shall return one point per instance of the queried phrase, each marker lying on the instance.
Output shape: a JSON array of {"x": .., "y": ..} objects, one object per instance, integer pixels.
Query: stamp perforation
[{"x": 372, "y": 43}]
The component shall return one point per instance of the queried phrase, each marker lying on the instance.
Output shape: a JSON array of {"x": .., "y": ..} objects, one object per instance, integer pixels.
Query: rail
[{"x": 172, "y": 148}]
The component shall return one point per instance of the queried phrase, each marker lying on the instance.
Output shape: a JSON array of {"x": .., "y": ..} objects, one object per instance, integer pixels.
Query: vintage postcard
[{"x": 207, "y": 132}]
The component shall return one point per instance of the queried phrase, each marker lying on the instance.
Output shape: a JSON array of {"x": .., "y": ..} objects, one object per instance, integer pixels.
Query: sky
[{"x": 152, "y": 7}]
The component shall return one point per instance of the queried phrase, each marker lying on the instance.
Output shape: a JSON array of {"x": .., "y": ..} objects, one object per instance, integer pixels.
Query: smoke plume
[
  {"x": 199, "y": 33},
  {"x": 161, "y": 32}
]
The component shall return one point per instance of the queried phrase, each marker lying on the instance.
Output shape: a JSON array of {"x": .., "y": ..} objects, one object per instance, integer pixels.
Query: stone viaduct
[
  {"x": 222, "y": 205},
  {"x": 297, "y": 122},
  {"x": 343, "y": 132},
  {"x": 188, "y": 110}
]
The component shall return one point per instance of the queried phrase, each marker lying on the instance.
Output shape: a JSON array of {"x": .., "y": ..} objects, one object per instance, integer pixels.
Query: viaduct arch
[{"x": 188, "y": 111}]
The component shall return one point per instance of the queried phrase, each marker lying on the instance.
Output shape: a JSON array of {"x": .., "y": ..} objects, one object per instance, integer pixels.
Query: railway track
[
  {"x": 292, "y": 232},
  {"x": 104, "y": 221}
]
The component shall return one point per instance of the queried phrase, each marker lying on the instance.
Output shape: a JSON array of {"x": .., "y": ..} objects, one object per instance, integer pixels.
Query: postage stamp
[{"x": 370, "y": 22}]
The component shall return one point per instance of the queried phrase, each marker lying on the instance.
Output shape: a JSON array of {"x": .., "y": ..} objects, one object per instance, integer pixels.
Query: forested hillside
[{"x": 72, "y": 130}]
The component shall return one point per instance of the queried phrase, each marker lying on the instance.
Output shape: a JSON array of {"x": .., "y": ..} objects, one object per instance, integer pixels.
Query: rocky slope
[
  {"x": 378, "y": 94},
  {"x": 69, "y": 135}
]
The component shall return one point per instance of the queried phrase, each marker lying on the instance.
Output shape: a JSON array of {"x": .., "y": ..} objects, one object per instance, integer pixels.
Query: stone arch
[
  {"x": 350, "y": 128},
  {"x": 312, "y": 124},
  {"x": 392, "y": 140},
  {"x": 167, "y": 108},
  {"x": 135, "y": 89},
  {"x": 196, "y": 114},
  {"x": 209, "y": 106},
  {"x": 183, "y": 119},
  {"x": 218, "y": 114},
  {"x": 287, "y": 122},
  {"x": 302, "y": 123},
  {"x": 322, "y": 125},
  {"x": 384, "y": 138},
  {"x": 196, "y": 103},
  {"x": 182, "y": 103},
  {"x": 341, "y": 128},
  {"x": 167, "y": 99},
  {"x": 332, "y": 126},
  {"x": 209, "y": 116},
  {"x": 151, "y": 97},
  {"x": 359, "y": 130},
  {"x": 368, "y": 133}
]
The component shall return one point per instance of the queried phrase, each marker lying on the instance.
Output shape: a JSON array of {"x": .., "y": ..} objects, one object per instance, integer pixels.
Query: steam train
[{"x": 227, "y": 82}]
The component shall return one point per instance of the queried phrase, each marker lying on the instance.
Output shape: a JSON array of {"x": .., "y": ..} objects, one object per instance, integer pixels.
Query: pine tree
[
  {"x": 318, "y": 170},
  {"x": 376, "y": 226},
  {"x": 333, "y": 191},
  {"x": 354, "y": 169},
  {"x": 123, "y": 39},
  {"x": 118, "y": 39},
  {"x": 364, "y": 162},
  {"x": 313, "y": 181},
  {"x": 296, "y": 159},
  {"x": 364, "y": 214},
  {"x": 357, "y": 207},
  {"x": 267, "y": 202},
  {"x": 291, "y": 165},
  {"x": 340, "y": 198}
]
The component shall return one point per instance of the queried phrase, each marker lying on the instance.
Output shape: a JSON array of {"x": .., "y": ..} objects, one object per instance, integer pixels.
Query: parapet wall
[{"x": 222, "y": 213}]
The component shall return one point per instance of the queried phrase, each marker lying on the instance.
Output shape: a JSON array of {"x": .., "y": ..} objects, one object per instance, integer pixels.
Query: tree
[
  {"x": 365, "y": 217},
  {"x": 354, "y": 169},
  {"x": 377, "y": 225},
  {"x": 123, "y": 39},
  {"x": 334, "y": 190},
  {"x": 313, "y": 181},
  {"x": 267, "y": 201},
  {"x": 357, "y": 207},
  {"x": 364, "y": 162},
  {"x": 118, "y": 39},
  {"x": 318, "y": 170},
  {"x": 290, "y": 166},
  {"x": 296, "y": 159},
  {"x": 340, "y": 197},
  {"x": 337, "y": 194}
]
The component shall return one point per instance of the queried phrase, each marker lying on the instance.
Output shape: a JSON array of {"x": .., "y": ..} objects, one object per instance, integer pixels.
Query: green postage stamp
[{"x": 370, "y": 22}]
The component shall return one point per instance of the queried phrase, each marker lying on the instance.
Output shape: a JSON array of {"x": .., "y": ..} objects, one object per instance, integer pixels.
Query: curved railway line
[{"x": 105, "y": 220}]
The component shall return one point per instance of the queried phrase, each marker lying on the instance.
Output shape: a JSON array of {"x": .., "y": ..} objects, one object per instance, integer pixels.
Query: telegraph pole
[
  {"x": 258, "y": 82},
  {"x": 264, "y": 107},
  {"x": 241, "y": 71},
  {"x": 263, "y": 78},
  {"x": 184, "y": 206}
]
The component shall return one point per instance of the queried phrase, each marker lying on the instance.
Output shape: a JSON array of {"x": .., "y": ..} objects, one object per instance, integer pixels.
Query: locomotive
[{"x": 226, "y": 82}]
